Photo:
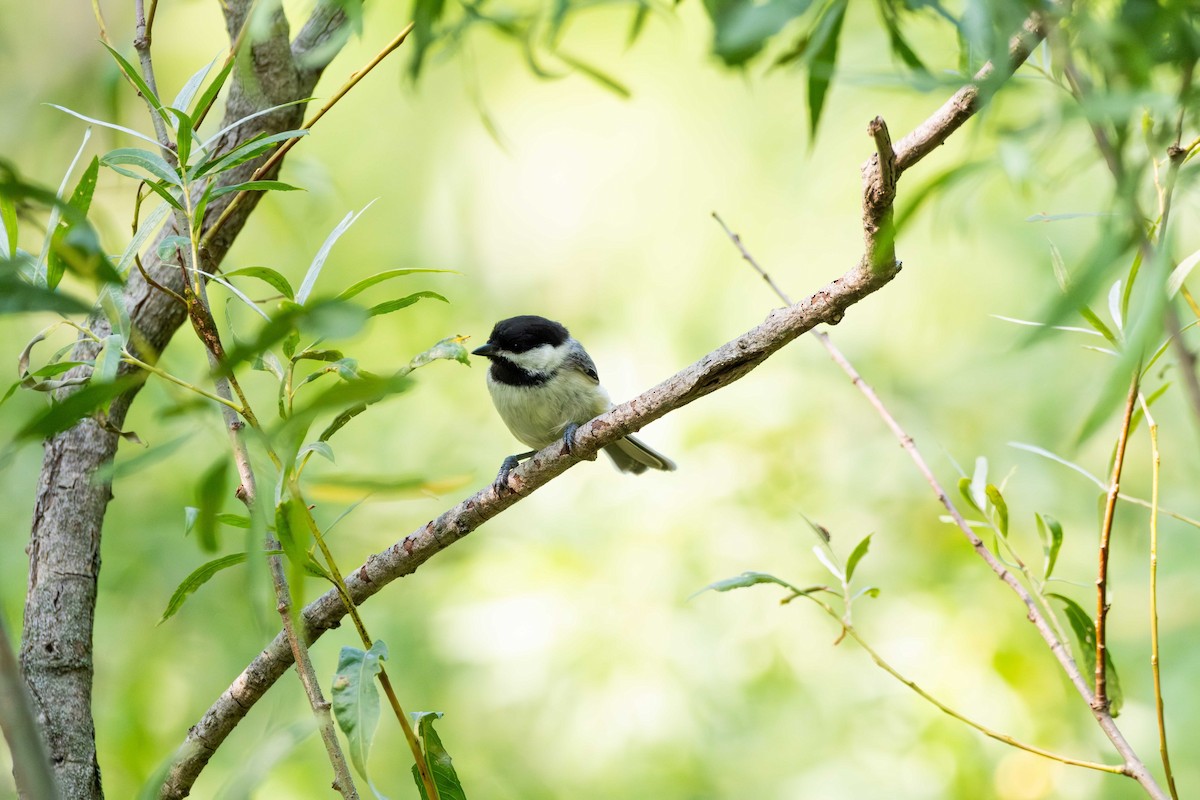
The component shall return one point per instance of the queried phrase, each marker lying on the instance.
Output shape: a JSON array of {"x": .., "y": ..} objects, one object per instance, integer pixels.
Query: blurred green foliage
[{"x": 559, "y": 640}]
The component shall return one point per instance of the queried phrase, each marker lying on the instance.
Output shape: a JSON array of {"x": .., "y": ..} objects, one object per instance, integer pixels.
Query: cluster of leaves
[{"x": 823, "y": 550}]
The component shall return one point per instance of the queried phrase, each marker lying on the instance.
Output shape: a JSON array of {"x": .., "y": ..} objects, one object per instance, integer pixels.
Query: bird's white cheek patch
[{"x": 544, "y": 358}]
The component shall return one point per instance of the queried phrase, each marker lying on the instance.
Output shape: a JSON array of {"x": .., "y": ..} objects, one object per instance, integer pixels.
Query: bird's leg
[
  {"x": 569, "y": 436},
  {"x": 506, "y": 467}
]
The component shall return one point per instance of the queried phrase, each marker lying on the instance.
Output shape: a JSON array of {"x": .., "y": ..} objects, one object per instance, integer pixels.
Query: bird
[{"x": 544, "y": 386}]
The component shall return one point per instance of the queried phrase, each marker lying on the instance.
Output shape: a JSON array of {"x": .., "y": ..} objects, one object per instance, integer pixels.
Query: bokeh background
[{"x": 562, "y": 640}]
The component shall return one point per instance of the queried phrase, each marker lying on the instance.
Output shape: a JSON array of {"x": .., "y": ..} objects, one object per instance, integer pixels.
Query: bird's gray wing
[{"x": 578, "y": 359}]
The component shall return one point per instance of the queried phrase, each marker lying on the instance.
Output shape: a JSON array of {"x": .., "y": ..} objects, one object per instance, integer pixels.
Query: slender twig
[
  {"x": 174, "y": 295},
  {"x": 1155, "y": 660},
  {"x": 1100, "y": 700},
  {"x": 100, "y": 26},
  {"x": 283, "y": 149},
  {"x": 852, "y": 632},
  {"x": 141, "y": 43},
  {"x": 737, "y": 240}
]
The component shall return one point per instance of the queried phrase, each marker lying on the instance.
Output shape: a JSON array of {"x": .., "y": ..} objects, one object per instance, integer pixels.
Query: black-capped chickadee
[{"x": 544, "y": 384}]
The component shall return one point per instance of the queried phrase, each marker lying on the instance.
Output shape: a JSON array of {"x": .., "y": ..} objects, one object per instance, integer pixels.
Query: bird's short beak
[{"x": 484, "y": 350}]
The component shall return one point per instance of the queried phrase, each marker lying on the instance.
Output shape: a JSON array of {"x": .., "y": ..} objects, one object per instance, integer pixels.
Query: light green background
[{"x": 559, "y": 639}]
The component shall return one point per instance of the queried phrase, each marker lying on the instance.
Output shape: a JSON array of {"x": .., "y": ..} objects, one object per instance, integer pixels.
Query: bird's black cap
[{"x": 524, "y": 333}]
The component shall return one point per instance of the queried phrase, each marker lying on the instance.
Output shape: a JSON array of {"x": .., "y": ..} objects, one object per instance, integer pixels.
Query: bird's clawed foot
[{"x": 506, "y": 467}]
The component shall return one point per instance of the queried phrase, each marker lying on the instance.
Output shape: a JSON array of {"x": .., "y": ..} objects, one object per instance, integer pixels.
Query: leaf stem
[{"x": 130, "y": 358}]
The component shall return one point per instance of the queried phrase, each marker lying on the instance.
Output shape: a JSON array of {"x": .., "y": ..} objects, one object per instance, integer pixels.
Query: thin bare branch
[
  {"x": 1155, "y": 662},
  {"x": 1100, "y": 700},
  {"x": 882, "y": 663}
]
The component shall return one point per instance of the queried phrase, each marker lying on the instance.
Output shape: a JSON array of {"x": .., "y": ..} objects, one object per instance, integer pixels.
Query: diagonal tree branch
[
  {"x": 64, "y": 547},
  {"x": 719, "y": 368}
]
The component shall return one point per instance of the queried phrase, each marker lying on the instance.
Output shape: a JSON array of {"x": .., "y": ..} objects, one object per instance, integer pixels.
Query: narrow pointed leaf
[
  {"x": 199, "y": 576},
  {"x": 206, "y": 98},
  {"x": 108, "y": 360},
  {"x": 256, "y": 186},
  {"x": 136, "y": 78},
  {"x": 318, "y": 262},
  {"x": 18, "y": 296},
  {"x": 999, "y": 508},
  {"x": 151, "y": 163},
  {"x": 81, "y": 200},
  {"x": 820, "y": 71},
  {"x": 210, "y": 497},
  {"x": 1051, "y": 533},
  {"x": 184, "y": 98},
  {"x": 441, "y": 766},
  {"x": 380, "y": 277},
  {"x": 403, "y": 302},
  {"x": 103, "y": 124},
  {"x": 742, "y": 581},
  {"x": 65, "y": 413},
  {"x": 1084, "y": 630},
  {"x": 268, "y": 276},
  {"x": 859, "y": 551}
]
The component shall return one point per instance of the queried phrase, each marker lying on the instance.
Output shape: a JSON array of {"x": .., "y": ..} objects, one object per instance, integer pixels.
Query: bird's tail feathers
[{"x": 633, "y": 455}]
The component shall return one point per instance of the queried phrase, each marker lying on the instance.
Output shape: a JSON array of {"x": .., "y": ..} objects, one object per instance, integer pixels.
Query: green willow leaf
[
  {"x": 859, "y": 551},
  {"x": 266, "y": 275},
  {"x": 744, "y": 580},
  {"x": 380, "y": 277},
  {"x": 198, "y": 577},
  {"x": 257, "y": 186},
  {"x": 1085, "y": 640},
  {"x": 210, "y": 94},
  {"x": 355, "y": 700},
  {"x": 824, "y": 45},
  {"x": 135, "y": 77},
  {"x": 1051, "y": 533},
  {"x": 210, "y": 497},
  {"x": 999, "y": 508},
  {"x": 81, "y": 200},
  {"x": 318, "y": 262},
  {"x": 145, "y": 160},
  {"x": 403, "y": 302},
  {"x": 18, "y": 296},
  {"x": 441, "y": 766}
]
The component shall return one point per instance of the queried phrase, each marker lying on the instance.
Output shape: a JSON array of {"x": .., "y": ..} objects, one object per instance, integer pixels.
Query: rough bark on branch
[
  {"x": 64, "y": 545},
  {"x": 719, "y": 368}
]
